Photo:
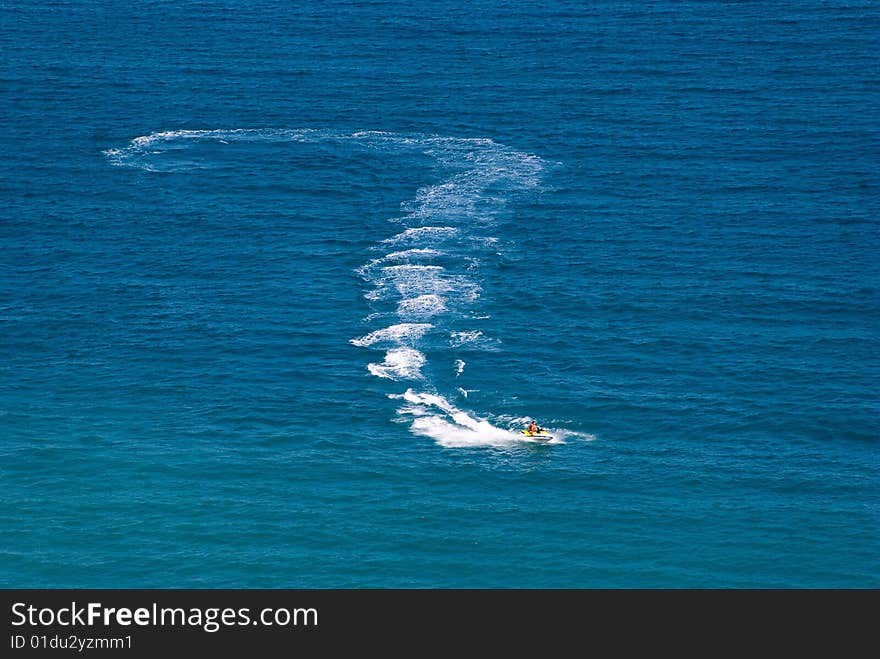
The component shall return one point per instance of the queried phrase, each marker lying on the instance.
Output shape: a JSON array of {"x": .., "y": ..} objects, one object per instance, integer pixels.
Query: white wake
[{"x": 425, "y": 275}]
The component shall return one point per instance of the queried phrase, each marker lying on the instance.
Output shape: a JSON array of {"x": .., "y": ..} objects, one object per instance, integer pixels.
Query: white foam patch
[
  {"x": 453, "y": 200},
  {"x": 407, "y": 270},
  {"x": 416, "y": 252},
  {"x": 410, "y": 279},
  {"x": 478, "y": 193},
  {"x": 423, "y": 306},
  {"x": 429, "y": 235},
  {"x": 484, "y": 243},
  {"x": 473, "y": 340},
  {"x": 457, "y": 339},
  {"x": 394, "y": 335},
  {"x": 403, "y": 255},
  {"x": 400, "y": 363},
  {"x": 413, "y": 280},
  {"x": 435, "y": 417},
  {"x": 459, "y": 367}
]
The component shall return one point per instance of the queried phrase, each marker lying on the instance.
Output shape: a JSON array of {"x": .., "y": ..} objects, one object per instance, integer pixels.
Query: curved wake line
[
  {"x": 447, "y": 221},
  {"x": 483, "y": 159},
  {"x": 434, "y": 416}
]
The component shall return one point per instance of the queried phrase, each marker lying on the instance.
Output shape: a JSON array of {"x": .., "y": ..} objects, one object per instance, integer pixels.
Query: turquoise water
[{"x": 280, "y": 285}]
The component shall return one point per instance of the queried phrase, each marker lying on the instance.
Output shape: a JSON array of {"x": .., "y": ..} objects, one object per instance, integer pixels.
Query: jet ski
[{"x": 540, "y": 435}]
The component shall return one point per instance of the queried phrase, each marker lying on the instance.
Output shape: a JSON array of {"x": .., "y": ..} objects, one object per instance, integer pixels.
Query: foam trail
[
  {"x": 399, "y": 364},
  {"x": 395, "y": 334},
  {"x": 429, "y": 235},
  {"x": 414, "y": 253},
  {"x": 450, "y": 219},
  {"x": 410, "y": 280},
  {"x": 435, "y": 417},
  {"x": 463, "y": 338},
  {"x": 141, "y": 151},
  {"x": 423, "y": 306},
  {"x": 473, "y": 339},
  {"x": 414, "y": 280}
]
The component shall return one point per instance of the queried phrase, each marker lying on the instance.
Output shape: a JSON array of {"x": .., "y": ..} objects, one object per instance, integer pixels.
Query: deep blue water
[{"x": 280, "y": 283}]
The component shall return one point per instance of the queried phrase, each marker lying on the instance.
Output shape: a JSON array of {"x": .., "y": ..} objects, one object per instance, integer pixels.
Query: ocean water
[{"x": 281, "y": 282}]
